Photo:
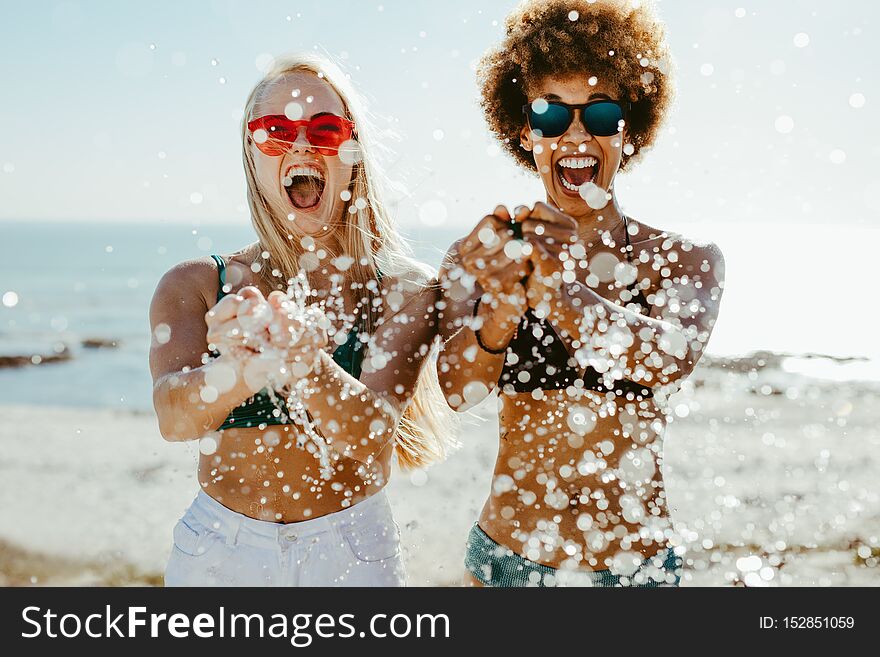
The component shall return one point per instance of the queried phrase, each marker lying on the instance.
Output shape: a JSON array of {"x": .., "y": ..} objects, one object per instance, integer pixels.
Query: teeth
[
  {"x": 577, "y": 162},
  {"x": 568, "y": 185},
  {"x": 304, "y": 171}
]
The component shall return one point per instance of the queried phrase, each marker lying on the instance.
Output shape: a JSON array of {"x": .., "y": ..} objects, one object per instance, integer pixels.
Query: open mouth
[
  {"x": 573, "y": 172},
  {"x": 304, "y": 186}
]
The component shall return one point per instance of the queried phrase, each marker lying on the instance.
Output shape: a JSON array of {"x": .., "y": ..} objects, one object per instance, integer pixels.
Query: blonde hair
[{"x": 425, "y": 432}]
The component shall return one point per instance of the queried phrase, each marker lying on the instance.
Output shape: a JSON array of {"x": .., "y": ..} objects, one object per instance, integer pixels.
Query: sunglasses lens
[
  {"x": 328, "y": 132},
  {"x": 273, "y": 148},
  {"x": 551, "y": 122},
  {"x": 280, "y": 133},
  {"x": 270, "y": 136},
  {"x": 603, "y": 119}
]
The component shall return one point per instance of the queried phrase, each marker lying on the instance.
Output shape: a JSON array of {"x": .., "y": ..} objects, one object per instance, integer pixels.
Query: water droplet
[
  {"x": 674, "y": 343},
  {"x": 707, "y": 69},
  {"x": 751, "y": 563},
  {"x": 540, "y": 105},
  {"x": 474, "y": 392},
  {"x": 162, "y": 333},
  {"x": 438, "y": 135},
  {"x": 208, "y": 445},
  {"x": 503, "y": 483},
  {"x": 625, "y": 273},
  {"x": 487, "y": 236},
  {"x": 784, "y": 124},
  {"x": 596, "y": 197},
  {"x": 350, "y": 152},
  {"x": 857, "y": 100},
  {"x": 195, "y": 198},
  {"x": 581, "y": 420},
  {"x": 603, "y": 266},
  {"x": 264, "y": 62},
  {"x": 293, "y": 111},
  {"x": 740, "y": 12},
  {"x": 837, "y": 156},
  {"x": 208, "y": 394},
  {"x": 573, "y": 15},
  {"x": 10, "y": 299},
  {"x": 801, "y": 40},
  {"x": 513, "y": 249}
]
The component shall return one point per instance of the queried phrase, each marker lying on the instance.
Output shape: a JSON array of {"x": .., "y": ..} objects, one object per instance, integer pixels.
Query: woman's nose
[
  {"x": 578, "y": 130},
  {"x": 301, "y": 143},
  {"x": 576, "y": 135}
]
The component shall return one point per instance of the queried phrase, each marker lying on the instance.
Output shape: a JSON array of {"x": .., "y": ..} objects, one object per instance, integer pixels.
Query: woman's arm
[
  {"x": 360, "y": 417},
  {"x": 488, "y": 265},
  {"x": 654, "y": 350},
  {"x": 466, "y": 370},
  {"x": 191, "y": 396}
]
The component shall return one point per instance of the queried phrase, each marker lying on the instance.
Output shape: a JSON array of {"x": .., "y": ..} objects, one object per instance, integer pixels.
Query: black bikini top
[{"x": 537, "y": 357}]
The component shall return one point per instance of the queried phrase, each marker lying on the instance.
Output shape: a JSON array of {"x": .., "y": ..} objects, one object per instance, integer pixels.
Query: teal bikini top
[{"x": 260, "y": 409}]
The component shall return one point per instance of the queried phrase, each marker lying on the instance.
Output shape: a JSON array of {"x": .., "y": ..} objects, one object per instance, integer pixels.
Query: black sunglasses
[{"x": 551, "y": 118}]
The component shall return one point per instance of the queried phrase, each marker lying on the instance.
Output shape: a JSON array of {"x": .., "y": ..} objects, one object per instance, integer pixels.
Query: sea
[{"x": 790, "y": 288}]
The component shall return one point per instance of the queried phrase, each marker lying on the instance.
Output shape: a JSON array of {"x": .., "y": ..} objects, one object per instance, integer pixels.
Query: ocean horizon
[{"x": 79, "y": 281}]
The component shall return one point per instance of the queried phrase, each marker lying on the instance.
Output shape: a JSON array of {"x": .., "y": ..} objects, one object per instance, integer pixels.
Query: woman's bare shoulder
[
  {"x": 644, "y": 237},
  {"x": 195, "y": 275}
]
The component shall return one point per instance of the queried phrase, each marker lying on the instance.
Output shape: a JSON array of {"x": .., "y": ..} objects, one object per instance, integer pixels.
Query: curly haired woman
[{"x": 584, "y": 319}]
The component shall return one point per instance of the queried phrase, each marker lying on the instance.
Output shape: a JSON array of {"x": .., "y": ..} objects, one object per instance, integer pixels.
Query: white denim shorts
[{"x": 215, "y": 546}]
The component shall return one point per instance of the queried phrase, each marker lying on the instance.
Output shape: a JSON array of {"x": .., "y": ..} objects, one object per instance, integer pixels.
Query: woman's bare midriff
[
  {"x": 557, "y": 492},
  {"x": 282, "y": 483},
  {"x": 273, "y": 479}
]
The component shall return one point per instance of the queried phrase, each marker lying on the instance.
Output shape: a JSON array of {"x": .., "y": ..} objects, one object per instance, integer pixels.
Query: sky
[{"x": 124, "y": 111}]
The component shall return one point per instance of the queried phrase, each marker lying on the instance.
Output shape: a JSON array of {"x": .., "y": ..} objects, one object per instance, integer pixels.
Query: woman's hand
[
  {"x": 238, "y": 327},
  {"x": 299, "y": 336},
  {"x": 499, "y": 262},
  {"x": 232, "y": 329},
  {"x": 550, "y": 233},
  {"x": 493, "y": 255}
]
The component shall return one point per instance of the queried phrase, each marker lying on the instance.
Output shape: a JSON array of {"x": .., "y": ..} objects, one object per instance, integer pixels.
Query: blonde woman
[{"x": 298, "y": 361}]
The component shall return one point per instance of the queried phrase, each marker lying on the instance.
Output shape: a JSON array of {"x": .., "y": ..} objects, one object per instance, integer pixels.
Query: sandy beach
[{"x": 771, "y": 478}]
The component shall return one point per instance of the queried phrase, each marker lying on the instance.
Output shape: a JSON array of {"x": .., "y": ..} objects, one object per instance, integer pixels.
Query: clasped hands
[
  {"x": 518, "y": 261},
  {"x": 271, "y": 340}
]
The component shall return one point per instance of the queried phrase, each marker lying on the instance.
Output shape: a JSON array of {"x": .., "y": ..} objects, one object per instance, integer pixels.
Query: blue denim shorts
[{"x": 493, "y": 564}]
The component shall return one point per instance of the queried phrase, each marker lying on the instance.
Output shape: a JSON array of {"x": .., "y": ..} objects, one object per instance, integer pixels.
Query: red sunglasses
[{"x": 324, "y": 131}]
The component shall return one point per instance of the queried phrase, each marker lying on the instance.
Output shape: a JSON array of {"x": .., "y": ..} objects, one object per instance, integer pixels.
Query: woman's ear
[{"x": 525, "y": 138}]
